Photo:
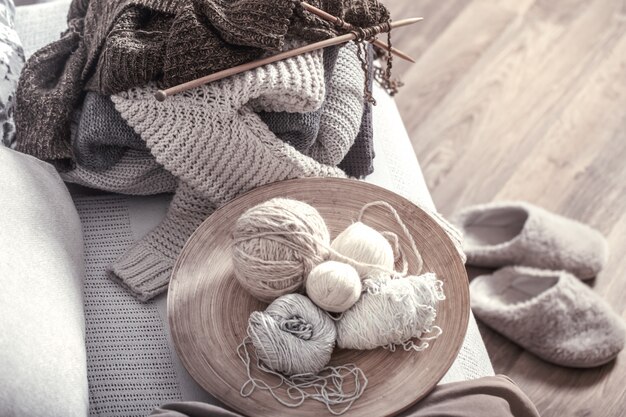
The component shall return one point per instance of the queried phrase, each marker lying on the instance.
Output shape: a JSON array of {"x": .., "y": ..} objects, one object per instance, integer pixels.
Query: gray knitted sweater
[{"x": 211, "y": 139}]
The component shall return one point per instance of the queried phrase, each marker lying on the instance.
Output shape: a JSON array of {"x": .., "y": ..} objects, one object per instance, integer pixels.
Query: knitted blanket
[{"x": 113, "y": 45}]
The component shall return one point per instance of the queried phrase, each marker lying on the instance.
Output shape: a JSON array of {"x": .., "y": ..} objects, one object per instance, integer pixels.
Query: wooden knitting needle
[
  {"x": 345, "y": 25},
  {"x": 163, "y": 94}
]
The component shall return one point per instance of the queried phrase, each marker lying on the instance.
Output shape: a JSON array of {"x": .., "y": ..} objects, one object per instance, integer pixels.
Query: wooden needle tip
[{"x": 160, "y": 95}]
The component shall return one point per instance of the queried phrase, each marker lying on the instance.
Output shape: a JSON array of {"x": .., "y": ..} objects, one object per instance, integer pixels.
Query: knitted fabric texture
[
  {"x": 218, "y": 147},
  {"x": 101, "y": 136},
  {"x": 300, "y": 129},
  {"x": 136, "y": 173},
  {"x": 359, "y": 161},
  {"x": 111, "y": 46},
  {"x": 328, "y": 134}
]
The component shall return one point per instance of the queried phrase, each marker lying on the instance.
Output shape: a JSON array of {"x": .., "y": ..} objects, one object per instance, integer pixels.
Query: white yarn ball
[
  {"x": 366, "y": 245},
  {"x": 276, "y": 244},
  {"x": 334, "y": 286}
]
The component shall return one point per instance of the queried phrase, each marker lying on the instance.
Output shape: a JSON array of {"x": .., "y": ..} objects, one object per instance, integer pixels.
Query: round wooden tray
[{"x": 208, "y": 310}]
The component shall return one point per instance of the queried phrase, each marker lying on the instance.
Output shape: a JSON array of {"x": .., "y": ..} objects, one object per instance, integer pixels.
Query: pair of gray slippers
[{"x": 537, "y": 299}]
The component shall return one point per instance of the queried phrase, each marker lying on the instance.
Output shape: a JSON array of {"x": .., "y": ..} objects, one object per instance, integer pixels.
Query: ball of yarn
[
  {"x": 334, "y": 286},
  {"x": 365, "y": 245},
  {"x": 292, "y": 336},
  {"x": 391, "y": 312},
  {"x": 275, "y": 246}
]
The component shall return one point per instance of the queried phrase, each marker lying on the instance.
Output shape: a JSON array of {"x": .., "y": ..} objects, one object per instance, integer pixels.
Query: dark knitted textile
[
  {"x": 101, "y": 136},
  {"x": 112, "y": 45},
  {"x": 300, "y": 129},
  {"x": 359, "y": 161},
  {"x": 361, "y": 13}
]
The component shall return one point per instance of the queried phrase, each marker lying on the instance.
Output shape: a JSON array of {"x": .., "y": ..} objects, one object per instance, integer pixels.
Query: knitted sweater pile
[
  {"x": 113, "y": 45},
  {"x": 215, "y": 144},
  {"x": 101, "y": 137}
]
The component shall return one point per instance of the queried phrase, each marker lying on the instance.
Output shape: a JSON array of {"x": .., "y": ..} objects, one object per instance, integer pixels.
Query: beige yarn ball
[
  {"x": 334, "y": 286},
  {"x": 365, "y": 245},
  {"x": 276, "y": 244}
]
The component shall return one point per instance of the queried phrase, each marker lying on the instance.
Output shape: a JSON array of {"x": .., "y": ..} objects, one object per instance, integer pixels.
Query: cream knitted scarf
[{"x": 211, "y": 139}]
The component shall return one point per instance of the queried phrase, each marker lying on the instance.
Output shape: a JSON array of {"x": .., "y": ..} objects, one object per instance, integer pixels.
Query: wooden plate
[{"x": 208, "y": 310}]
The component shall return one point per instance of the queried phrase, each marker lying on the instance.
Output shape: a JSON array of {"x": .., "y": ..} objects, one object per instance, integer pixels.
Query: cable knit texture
[
  {"x": 218, "y": 147},
  {"x": 550, "y": 313},
  {"x": 519, "y": 233}
]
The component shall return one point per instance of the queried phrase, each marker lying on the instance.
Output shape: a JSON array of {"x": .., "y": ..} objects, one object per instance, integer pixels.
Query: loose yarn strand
[
  {"x": 405, "y": 230},
  {"x": 278, "y": 236},
  {"x": 327, "y": 389}
]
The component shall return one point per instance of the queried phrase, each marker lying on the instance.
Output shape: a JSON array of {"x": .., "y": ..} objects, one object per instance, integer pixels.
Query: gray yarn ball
[{"x": 293, "y": 336}]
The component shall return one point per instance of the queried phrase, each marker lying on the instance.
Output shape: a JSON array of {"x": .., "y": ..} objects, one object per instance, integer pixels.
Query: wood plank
[{"x": 527, "y": 100}]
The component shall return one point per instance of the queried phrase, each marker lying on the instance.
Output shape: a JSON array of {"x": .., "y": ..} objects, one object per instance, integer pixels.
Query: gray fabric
[
  {"x": 11, "y": 63},
  {"x": 42, "y": 333},
  {"x": 359, "y": 161},
  {"x": 340, "y": 132},
  {"x": 101, "y": 136},
  {"x": 493, "y": 396},
  {"x": 300, "y": 129},
  {"x": 136, "y": 173},
  {"x": 129, "y": 360}
]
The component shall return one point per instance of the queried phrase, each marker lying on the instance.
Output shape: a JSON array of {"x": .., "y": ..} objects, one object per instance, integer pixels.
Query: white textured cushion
[{"x": 42, "y": 341}]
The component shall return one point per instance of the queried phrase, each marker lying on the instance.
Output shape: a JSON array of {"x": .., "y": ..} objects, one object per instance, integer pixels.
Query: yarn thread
[
  {"x": 294, "y": 340},
  {"x": 275, "y": 246},
  {"x": 392, "y": 312},
  {"x": 405, "y": 231},
  {"x": 293, "y": 336}
]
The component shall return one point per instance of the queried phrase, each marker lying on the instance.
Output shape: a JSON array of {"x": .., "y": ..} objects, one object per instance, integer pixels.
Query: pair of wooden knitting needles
[{"x": 163, "y": 94}]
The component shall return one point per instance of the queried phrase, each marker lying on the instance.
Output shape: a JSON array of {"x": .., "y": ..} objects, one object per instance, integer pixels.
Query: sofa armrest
[{"x": 42, "y": 341}]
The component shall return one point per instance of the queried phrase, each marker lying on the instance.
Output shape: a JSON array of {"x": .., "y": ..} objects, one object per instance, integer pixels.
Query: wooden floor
[{"x": 526, "y": 99}]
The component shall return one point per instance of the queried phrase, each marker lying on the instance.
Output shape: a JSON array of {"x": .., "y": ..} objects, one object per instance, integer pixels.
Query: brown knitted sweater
[{"x": 113, "y": 45}]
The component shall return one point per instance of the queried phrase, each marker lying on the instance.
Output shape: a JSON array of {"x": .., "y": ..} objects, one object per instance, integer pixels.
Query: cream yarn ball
[
  {"x": 391, "y": 312},
  {"x": 276, "y": 244},
  {"x": 364, "y": 244},
  {"x": 334, "y": 286}
]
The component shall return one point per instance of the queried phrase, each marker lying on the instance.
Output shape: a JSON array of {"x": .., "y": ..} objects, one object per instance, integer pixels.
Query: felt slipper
[
  {"x": 551, "y": 314},
  {"x": 518, "y": 233}
]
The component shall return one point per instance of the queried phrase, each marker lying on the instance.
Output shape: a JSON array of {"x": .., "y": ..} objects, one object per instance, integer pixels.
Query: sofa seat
[{"x": 132, "y": 365}]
